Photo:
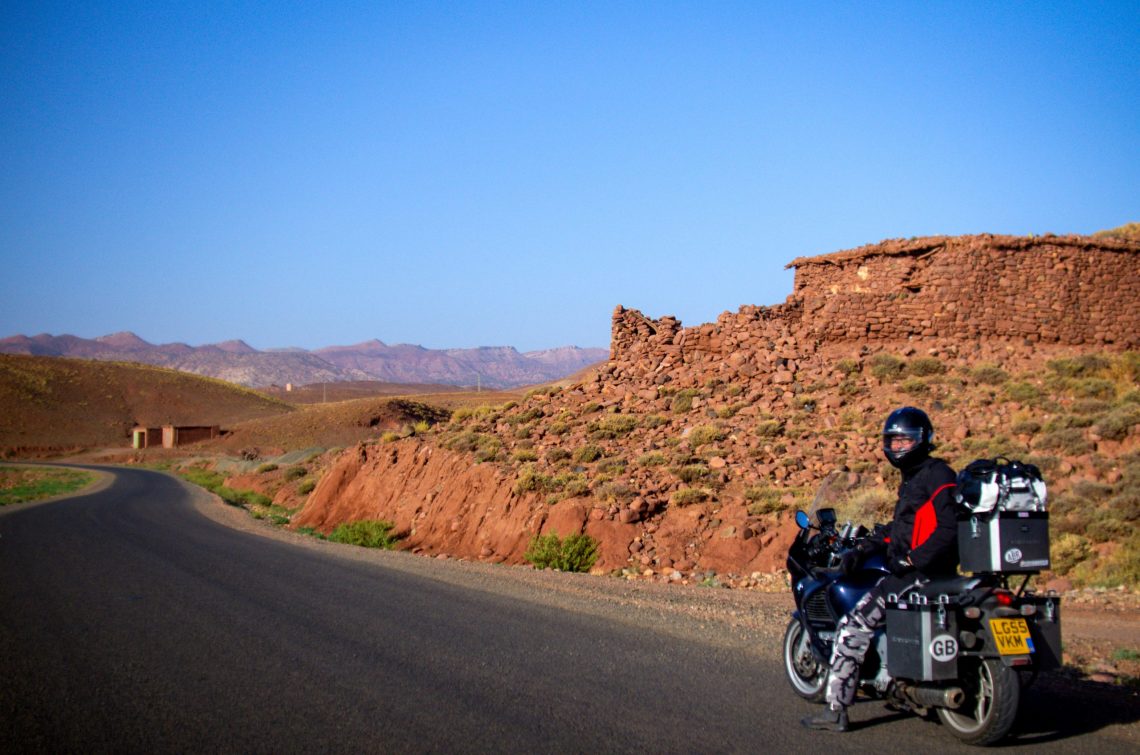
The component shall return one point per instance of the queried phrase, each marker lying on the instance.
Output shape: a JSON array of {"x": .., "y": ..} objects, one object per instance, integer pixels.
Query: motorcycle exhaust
[{"x": 934, "y": 697}]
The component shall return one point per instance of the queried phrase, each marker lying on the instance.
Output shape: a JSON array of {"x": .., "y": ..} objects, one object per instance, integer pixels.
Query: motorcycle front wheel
[
  {"x": 993, "y": 693},
  {"x": 807, "y": 675}
]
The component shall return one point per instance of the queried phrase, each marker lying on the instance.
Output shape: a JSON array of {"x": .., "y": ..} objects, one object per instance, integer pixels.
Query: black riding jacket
[{"x": 925, "y": 525}]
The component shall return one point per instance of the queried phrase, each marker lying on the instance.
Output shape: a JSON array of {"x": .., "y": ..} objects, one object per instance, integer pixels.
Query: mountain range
[{"x": 238, "y": 362}]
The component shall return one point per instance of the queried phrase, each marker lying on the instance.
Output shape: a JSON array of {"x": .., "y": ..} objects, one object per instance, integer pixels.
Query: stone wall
[{"x": 1069, "y": 290}]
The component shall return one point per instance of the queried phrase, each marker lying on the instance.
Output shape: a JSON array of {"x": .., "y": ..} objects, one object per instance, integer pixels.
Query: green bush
[
  {"x": 295, "y": 473},
  {"x": 614, "y": 426},
  {"x": 523, "y": 417},
  {"x": 769, "y": 428},
  {"x": 614, "y": 492},
  {"x": 1116, "y": 424},
  {"x": 266, "y": 468},
  {"x": 369, "y": 533},
  {"x": 1093, "y": 387},
  {"x": 484, "y": 447},
  {"x": 573, "y": 485},
  {"x": 1071, "y": 441},
  {"x": 530, "y": 479},
  {"x": 1022, "y": 392},
  {"x": 612, "y": 466},
  {"x": 847, "y": 366},
  {"x": 306, "y": 487},
  {"x": 587, "y": 454},
  {"x": 575, "y": 553},
  {"x": 886, "y": 366},
  {"x": 763, "y": 500},
  {"x": 691, "y": 473},
  {"x": 682, "y": 403},
  {"x": 1066, "y": 551},
  {"x": 703, "y": 434},
  {"x": 1066, "y": 422},
  {"x": 925, "y": 366},
  {"x": 1121, "y": 567},
  {"x": 203, "y": 478},
  {"x": 1090, "y": 406},
  {"x": 686, "y": 496},
  {"x": 914, "y": 386},
  {"x": 524, "y": 454},
  {"x": 988, "y": 374},
  {"x": 556, "y": 454},
  {"x": 652, "y": 459},
  {"x": 1085, "y": 365},
  {"x": 1025, "y": 427}
]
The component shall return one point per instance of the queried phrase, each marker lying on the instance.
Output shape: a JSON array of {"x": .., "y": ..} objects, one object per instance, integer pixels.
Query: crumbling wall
[
  {"x": 1070, "y": 290},
  {"x": 1067, "y": 290}
]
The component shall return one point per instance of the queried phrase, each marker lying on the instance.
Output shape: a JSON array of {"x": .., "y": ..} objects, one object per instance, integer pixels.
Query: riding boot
[{"x": 829, "y": 719}]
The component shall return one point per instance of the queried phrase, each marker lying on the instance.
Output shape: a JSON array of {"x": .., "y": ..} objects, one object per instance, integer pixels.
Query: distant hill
[
  {"x": 238, "y": 362},
  {"x": 67, "y": 403}
]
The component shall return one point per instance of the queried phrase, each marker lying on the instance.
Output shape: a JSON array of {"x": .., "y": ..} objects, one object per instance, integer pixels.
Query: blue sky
[{"x": 466, "y": 174}]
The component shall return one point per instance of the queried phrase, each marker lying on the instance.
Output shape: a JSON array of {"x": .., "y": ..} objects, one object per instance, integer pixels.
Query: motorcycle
[{"x": 964, "y": 647}]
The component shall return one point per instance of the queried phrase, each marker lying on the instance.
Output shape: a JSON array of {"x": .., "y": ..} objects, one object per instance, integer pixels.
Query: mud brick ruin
[{"x": 1064, "y": 290}]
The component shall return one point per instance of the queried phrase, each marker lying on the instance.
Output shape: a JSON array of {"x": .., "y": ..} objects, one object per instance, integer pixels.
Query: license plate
[{"x": 1012, "y": 636}]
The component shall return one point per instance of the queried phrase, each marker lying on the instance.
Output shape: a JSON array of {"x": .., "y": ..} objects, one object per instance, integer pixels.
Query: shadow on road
[
  {"x": 1063, "y": 705},
  {"x": 1057, "y": 707}
]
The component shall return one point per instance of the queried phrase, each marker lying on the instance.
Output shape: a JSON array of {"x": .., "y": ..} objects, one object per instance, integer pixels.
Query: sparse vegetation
[
  {"x": 925, "y": 366},
  {"x": 703, "y": 434},
  {"x": 484, "y": 447},
  {"x": 524, "y": 455},
  {"x": 575, "y": 553},
  {"x": 612, "y": 426},
  {"x": 368, "y": 533},
  {"x": 531, "y": 480},
  {"x": 886, "y": 366},
  {"x": 587, "y": 454},
  {"x": 763, "y": 500},
  {"x": 556, "y": 454},
  {"x": 687, "y": 496},
  {"x": 25, "y": 484},
  {"x": 989, "y": 374}
]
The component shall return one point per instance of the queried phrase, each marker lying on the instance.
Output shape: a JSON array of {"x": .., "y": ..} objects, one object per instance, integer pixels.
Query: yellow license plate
[{"x": 1012, "y": 636}]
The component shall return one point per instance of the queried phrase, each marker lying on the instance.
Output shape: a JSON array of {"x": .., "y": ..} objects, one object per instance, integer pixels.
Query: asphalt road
[{"x": 130, "y": 622}]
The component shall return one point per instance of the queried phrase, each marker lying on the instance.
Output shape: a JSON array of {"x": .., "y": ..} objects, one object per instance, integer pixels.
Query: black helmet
[{"x": 911, "y": 423}]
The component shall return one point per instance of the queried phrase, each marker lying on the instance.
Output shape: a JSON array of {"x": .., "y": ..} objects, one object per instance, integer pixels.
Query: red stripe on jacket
[{"x": 925, "y": 520}]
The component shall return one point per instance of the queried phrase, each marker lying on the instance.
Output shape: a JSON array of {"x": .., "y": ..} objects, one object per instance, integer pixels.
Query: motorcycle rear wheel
[
  {"x": 807, "y": 675},
  {"x": 993, "y": 694}
]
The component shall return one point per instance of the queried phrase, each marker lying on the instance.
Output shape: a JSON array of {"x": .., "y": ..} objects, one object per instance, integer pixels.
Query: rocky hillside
[
  {"x": 685, "y": 454},
  {"x": 237, "y": 362}
]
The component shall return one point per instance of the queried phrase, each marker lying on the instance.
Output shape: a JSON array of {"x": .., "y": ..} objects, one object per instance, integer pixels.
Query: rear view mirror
[{"x": 802, "y": 520}]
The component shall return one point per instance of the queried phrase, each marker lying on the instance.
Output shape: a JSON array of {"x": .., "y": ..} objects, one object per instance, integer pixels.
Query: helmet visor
[{"x": 901, "y": 443}]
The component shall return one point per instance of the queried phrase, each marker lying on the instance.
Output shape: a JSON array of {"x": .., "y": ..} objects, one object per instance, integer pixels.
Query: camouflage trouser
[{"x": 851, "y": 644}]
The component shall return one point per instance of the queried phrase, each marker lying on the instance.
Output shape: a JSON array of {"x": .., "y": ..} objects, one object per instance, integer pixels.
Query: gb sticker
[
  {"x": 1013, "y": 556},
  {"x": 943, "y": 648}
]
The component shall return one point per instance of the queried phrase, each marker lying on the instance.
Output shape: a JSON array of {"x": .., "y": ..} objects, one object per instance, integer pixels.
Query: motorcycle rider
[{"x": 922, "y": 544}]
